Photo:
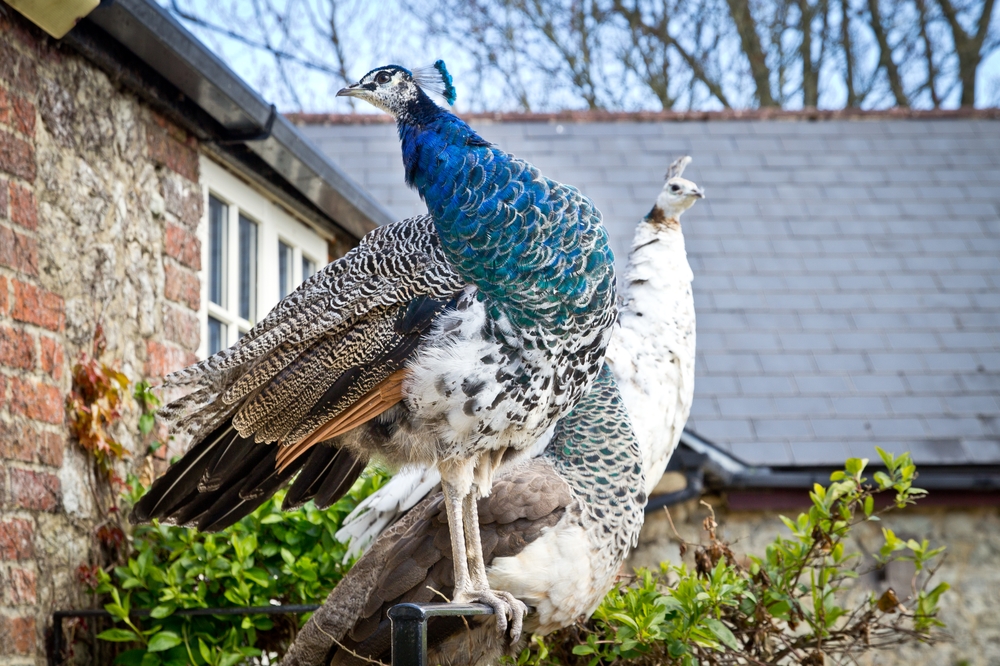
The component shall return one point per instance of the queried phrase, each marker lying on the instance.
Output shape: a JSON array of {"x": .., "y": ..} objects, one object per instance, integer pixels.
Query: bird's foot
[{"x": 505, "y": 605}]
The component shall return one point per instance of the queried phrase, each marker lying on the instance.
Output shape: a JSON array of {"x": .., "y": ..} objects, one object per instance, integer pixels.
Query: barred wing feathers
[{"x": 333, "y": 342}]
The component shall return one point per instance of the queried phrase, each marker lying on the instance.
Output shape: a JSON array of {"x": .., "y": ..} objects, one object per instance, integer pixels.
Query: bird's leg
[
  {"x": 453, "y": 507},
  {"x": 503, "y": 603},
  {"x": 457, "y": 484}
]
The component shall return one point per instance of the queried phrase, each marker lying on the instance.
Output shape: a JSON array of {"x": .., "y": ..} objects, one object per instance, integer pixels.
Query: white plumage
[{"x": 651, "y": 353}]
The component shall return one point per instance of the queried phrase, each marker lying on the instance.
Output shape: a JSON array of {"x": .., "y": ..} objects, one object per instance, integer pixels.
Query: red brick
[
  {"x": 170, "y": 146},
  {"x": 20, "y": 587},
  {"x": 18, "y": 251},
  {"x": 182, "y": 327},
  {"x": 18, "y": 441},
  {"x": 19, "y": 635},
  {"x": 17, "y": 157},
  {"x": 35, "y": 305},
  {"x": 6, "y": 106},
  {"x": 40, "y": 402},
  {"x": 52, "y": 357},
  {"x": 51, "y": 448},
  {"x": 24, "y": 116},
  {"x": 181, "y": 286},
  {"x": 162, "y": 359},
  {"x": 17, "y": 349},
  {"x": 23, "y": 208},
  {"x": 16, "y": 536},
  {"x": 3, "y": 296},
  {"x": 35, "y": 491},
  {"x": 183, "y": 246},
  {"x": 27, "y": 443}
]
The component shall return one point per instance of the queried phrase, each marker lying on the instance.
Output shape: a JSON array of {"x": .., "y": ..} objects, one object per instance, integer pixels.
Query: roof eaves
[
  {"x": 726, "y": 472},
  {"x": 668, "y": 116},
  {"x": 156, "y": 38}
]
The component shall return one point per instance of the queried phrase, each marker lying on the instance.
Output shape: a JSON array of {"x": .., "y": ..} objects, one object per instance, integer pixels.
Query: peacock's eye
[
  {"x": 382, "y": 77},
  {"x": 675, "y": 188}
]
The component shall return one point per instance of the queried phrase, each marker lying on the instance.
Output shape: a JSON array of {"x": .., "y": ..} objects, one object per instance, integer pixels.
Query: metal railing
[
  {"x": 56, "y": 644},
  {"x": 409, "y": 628},
  {"x": 409, "y": 624}
]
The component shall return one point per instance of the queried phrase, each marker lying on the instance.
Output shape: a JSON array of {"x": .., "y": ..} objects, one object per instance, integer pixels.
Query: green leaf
[
  {"x": 162, "y": 611},
  {"x": 163, "y": 641},
  {"x": 146, "y": 422},
  {"x": 869, "y": 505},
  {"x": 118, "y": 635},
  {"x": 583, "y": 649},
  {"x": 151, "y": 658},
  {"x": 723, "y": 633},
  {"x": 231, "y": 659},
  {"x": 206, "y": 654}
]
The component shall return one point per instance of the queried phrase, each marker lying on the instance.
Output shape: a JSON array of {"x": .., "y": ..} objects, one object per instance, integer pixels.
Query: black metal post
[
  {"x": 55, "y": 647},
  {"x": 409, "y": 628}
]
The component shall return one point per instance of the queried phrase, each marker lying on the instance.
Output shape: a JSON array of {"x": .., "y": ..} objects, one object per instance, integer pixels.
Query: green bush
[
  {"x": 792, "y": 606},
  {"x": 268, "y": 557}
]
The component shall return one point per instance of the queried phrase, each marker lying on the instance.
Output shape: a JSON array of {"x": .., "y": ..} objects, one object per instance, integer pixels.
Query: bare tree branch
[
  {"x": 969, "y": 48},
  {"x": 739, "y": 10},
  {"x": 885, "y": 55}
]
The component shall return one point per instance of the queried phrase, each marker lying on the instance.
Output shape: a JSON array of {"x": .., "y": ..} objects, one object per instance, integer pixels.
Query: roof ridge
[{"x": 668, "y": 116}]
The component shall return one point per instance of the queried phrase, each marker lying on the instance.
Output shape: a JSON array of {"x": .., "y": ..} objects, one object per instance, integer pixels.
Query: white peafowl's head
[
  {"x": 399, "y": 91},
  {"x": 678, "y": 194}
]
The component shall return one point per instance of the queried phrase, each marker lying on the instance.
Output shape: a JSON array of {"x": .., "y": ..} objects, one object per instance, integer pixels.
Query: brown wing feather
[
  {"x": 519, "y": 509},
  {"x": 380, "y": 399},
  {"x": 523, "y": 504}
]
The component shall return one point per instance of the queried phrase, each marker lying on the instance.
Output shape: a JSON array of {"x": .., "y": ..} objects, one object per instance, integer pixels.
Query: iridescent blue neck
[{"x": 533, "y": 246}]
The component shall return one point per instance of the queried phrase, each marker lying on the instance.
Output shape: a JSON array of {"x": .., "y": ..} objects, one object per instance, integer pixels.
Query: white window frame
[{"x": 274, "y": 223}]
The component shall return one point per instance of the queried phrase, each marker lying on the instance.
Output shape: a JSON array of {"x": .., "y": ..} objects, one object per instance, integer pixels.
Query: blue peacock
[{"x": 456, "y": 340}]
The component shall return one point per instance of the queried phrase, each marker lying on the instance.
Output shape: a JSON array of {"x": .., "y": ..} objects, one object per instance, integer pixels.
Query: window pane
[
  {"x": 216, "y": 336},
  {"x": 308, "y": 268},
  {"x": 284, "y": 269},
  {"x": 248, "y": 269},
  {"x": 218, "y": 214}
]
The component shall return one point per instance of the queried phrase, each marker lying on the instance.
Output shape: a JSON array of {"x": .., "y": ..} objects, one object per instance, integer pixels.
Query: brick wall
[{"x": 99, "y": 209}]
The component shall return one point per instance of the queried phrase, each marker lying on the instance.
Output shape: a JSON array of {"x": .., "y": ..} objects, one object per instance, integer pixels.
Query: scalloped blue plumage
[{"x": 535, "y": 246}]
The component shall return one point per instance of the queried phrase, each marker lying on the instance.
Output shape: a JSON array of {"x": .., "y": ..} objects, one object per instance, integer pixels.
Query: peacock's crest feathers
[{"x": 436, "y": 79}]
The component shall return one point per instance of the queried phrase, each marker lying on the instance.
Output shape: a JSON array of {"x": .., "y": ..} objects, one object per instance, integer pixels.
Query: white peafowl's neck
[
  {"x": 657, "y": 274},
  {"x": 652, "y": 352}
]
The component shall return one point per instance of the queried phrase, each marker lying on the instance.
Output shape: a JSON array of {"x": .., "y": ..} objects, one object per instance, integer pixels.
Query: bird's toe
[{"x": 507, "y": 609}]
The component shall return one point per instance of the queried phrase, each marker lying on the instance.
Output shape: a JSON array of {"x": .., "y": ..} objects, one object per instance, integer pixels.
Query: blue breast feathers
[{"x": 536, "y": 248}]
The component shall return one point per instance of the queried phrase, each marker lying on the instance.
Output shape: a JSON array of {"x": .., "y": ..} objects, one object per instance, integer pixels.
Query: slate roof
[{"x": 847, "y": 272}]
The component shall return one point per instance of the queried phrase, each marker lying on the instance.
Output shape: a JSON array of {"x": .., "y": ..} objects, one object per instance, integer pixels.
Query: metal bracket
[
  {"x": 409, "y": 628},
  {"x": 242, "y": 136}
]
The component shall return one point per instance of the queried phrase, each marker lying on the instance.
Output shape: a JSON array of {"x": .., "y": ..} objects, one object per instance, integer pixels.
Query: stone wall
[
  {"x": 99, "y": 205},
  {"x": 971, "y": 609}
]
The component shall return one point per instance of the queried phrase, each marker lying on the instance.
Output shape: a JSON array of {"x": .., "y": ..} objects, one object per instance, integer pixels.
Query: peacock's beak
[
  {"x": 699, "y": 193},
  {"x": 353, "y": 90}
]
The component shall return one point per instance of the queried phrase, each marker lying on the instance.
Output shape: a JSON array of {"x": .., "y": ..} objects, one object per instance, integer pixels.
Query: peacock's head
[
  {"x": 399, "y": 91},
  {"x": 678, "y": 194}
]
